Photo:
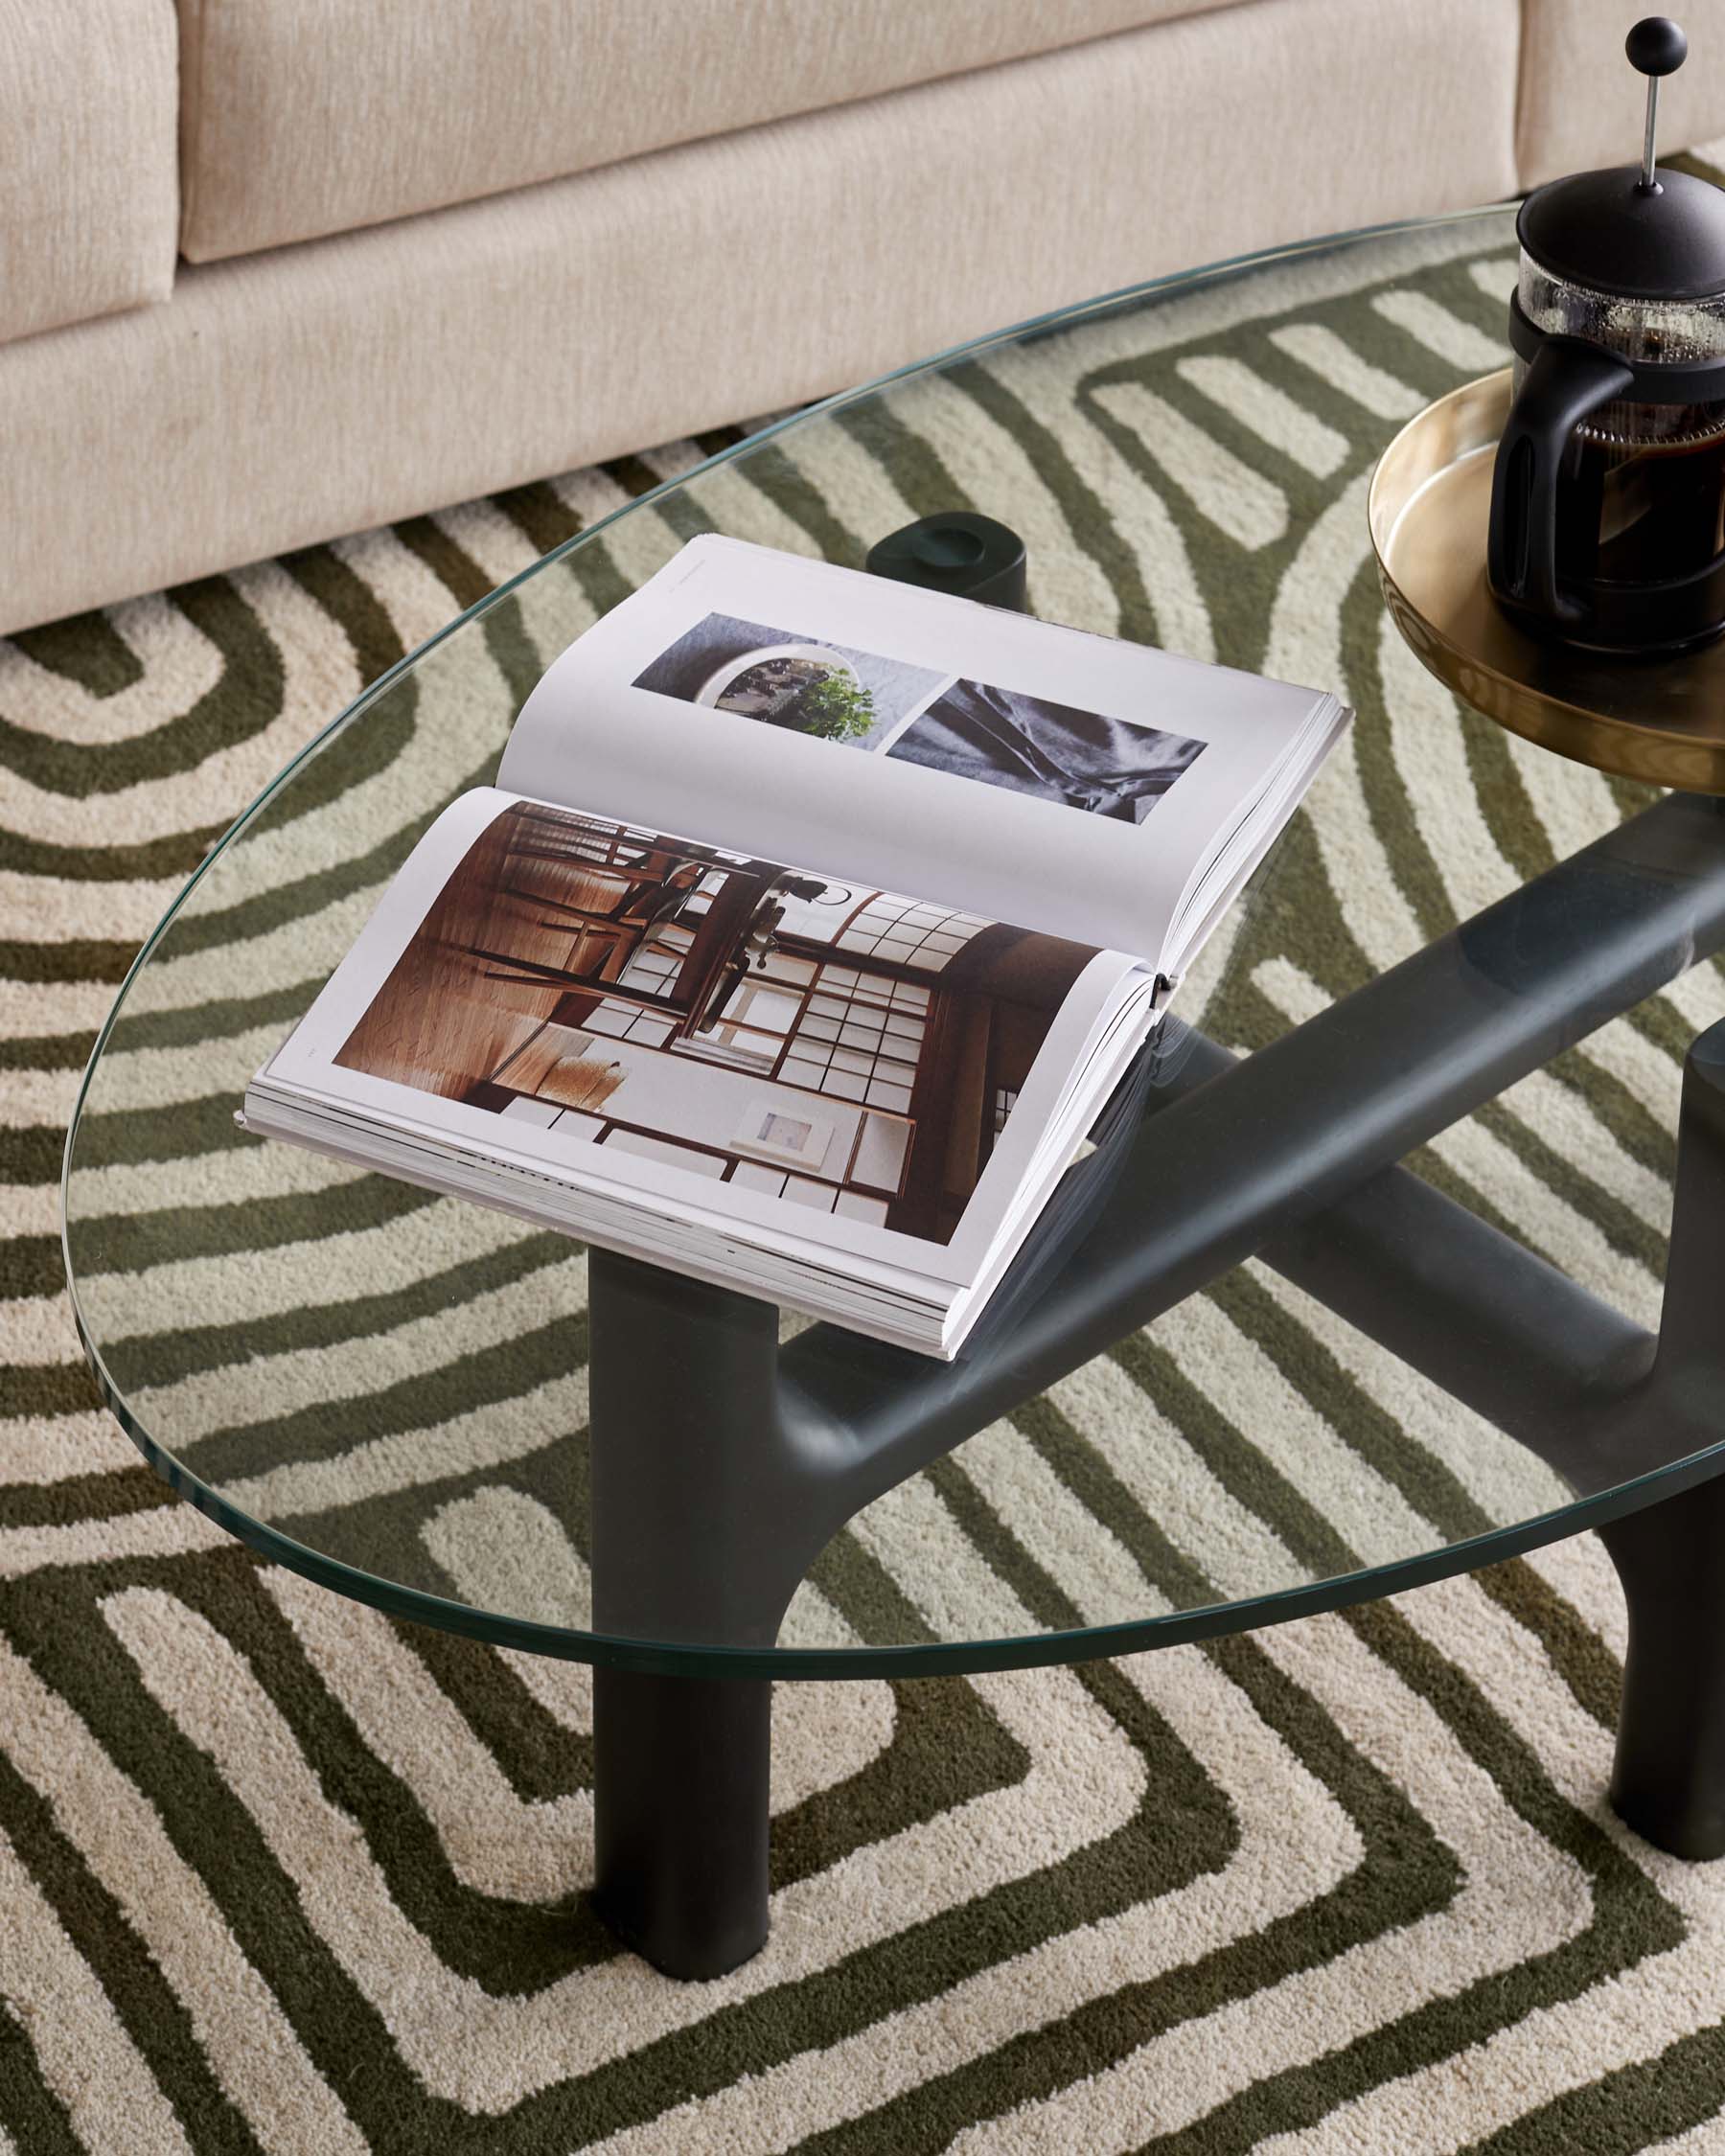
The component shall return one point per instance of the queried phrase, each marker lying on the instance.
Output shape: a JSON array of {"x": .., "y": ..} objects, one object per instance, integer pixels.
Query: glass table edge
[{"x": 933, "y": 1657}]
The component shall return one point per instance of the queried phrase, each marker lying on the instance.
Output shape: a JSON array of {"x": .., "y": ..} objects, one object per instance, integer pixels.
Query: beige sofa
[{"x": 272, "y": 270}]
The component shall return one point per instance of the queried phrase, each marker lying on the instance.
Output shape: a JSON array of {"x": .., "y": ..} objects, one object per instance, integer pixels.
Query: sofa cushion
[
  {"x": 88, "y": 185},
  {"x": 305, "y": 117},
  {"x": 1581, "y": 103}
]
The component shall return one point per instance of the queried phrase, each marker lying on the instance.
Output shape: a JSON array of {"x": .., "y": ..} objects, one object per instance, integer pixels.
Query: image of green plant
[{"x": 837, "y": 707}]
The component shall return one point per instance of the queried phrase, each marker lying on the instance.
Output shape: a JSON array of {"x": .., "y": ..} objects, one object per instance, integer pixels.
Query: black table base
[{"x": 723, "y": 1464}]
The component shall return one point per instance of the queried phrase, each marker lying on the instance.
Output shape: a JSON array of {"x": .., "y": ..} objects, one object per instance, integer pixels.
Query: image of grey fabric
[
  {"x": 1105, "y": 766},
  {"x": 699, "y": 652}
]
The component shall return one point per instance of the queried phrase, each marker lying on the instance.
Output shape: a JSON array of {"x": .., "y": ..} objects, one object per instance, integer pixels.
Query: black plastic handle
[{"x": 1567, "y": 380}]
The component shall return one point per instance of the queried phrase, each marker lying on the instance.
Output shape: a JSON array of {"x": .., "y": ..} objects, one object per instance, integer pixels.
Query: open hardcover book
[{"x": 810, "y": 923}]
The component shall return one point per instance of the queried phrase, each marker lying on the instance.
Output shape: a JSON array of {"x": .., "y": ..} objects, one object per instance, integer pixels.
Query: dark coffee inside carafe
[{"x": 1644, "y": 505}]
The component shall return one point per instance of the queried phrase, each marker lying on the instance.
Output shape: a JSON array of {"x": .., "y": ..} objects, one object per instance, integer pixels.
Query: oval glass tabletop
[{"x": 388, "y": 1390}]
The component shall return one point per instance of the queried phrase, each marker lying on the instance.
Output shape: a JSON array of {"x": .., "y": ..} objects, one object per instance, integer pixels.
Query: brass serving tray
[{"x": 1656, "y": 718}]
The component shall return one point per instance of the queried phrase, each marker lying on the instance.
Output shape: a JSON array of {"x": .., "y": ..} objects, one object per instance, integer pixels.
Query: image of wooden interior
[{"x": 837, "y": 1048}]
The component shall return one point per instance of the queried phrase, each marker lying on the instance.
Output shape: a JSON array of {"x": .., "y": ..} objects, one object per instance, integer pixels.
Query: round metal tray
[{"x": 1656, "y": 718}]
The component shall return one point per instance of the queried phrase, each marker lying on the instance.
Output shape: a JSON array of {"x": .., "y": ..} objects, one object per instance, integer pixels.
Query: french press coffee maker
[{"x": 1608, "y": 496}]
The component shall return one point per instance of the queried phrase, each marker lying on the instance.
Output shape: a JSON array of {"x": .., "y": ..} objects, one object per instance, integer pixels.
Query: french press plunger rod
[{"x": 1656, "y": 48}]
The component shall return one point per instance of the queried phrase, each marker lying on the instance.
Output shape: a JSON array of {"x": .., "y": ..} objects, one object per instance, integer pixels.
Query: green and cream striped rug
[{"x": 280, "y": 1874}]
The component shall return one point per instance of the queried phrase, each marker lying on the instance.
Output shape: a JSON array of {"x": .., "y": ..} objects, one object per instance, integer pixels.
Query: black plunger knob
[{"x": 1656, "y": 46}]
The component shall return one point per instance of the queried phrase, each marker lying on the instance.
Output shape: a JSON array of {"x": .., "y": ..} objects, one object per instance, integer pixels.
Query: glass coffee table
[{"x": 1278, "y": 1370}]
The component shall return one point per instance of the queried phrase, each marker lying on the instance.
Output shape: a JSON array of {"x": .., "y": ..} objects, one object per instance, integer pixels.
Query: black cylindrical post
[
  {"x": 692, "y": 1545},
  {"x": 680, "y": 1777},
  {"x": 1669, "y": 1781},
  {"x": 958, "y": 551},
  {"x": 1670, "y": 1778}
]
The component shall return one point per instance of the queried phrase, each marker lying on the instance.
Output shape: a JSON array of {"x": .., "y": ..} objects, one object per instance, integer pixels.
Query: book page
[
  {"x": 627, "y": 1009},
  {"x": 924, "y": 743}
]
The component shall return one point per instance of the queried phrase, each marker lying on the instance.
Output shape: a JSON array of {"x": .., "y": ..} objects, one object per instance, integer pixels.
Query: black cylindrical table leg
[
  {"x": 681, "y": 1771},
  {"x": 1669, "y": 1779},
  {"x": 1668, "y": 1782},
  {"x": 698, "y": 1539}
]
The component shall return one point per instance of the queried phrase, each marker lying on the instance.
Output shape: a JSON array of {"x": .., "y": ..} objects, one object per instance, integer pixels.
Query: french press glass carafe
[{"x": 1608, "y": 497}]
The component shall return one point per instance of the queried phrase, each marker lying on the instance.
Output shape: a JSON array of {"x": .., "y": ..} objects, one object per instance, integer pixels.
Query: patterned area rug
[{"x": 283, "y": 1874}]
